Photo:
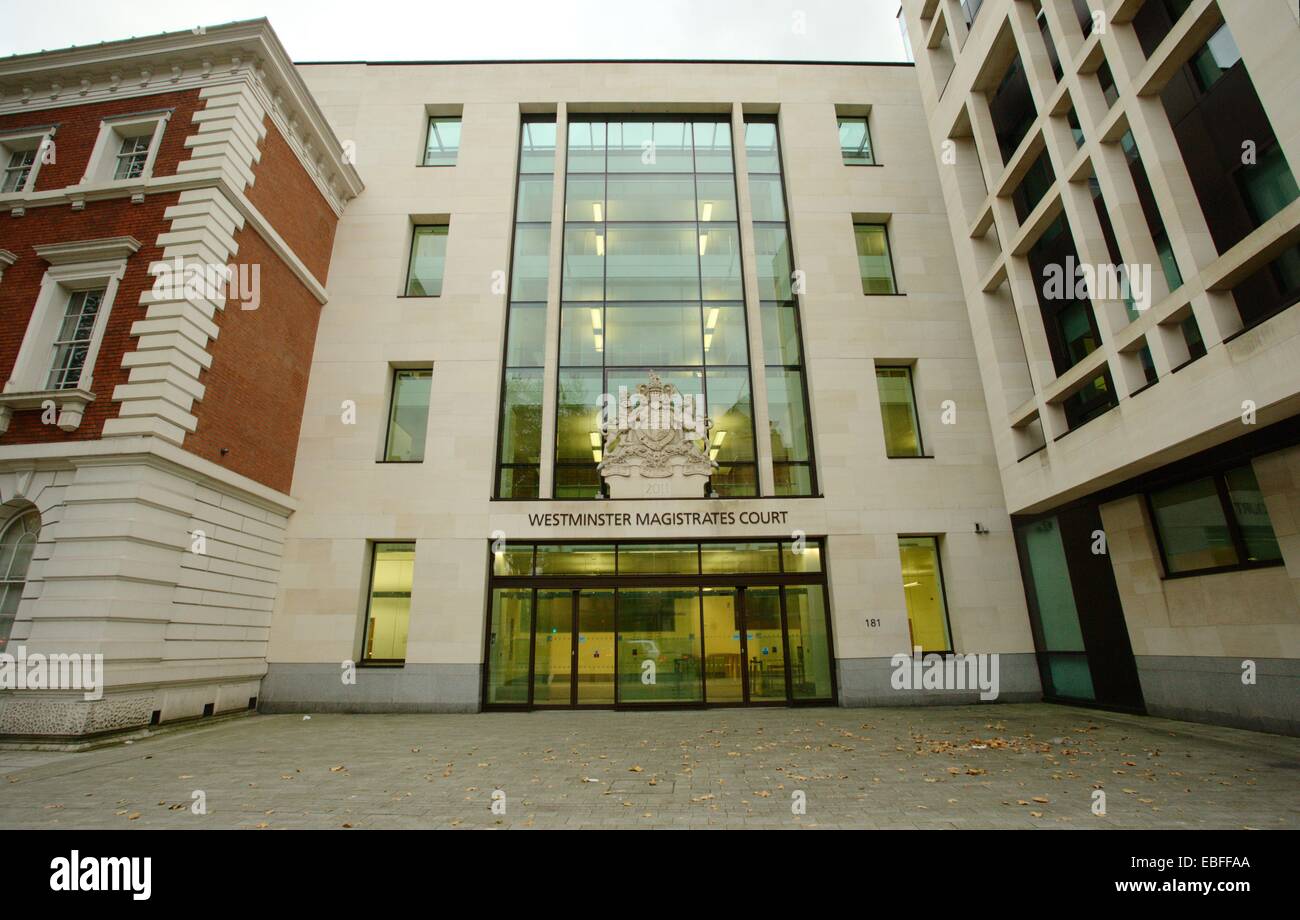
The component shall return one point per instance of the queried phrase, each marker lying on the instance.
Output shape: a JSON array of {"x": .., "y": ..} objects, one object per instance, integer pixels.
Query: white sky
[{"x": 387, "y": 30}]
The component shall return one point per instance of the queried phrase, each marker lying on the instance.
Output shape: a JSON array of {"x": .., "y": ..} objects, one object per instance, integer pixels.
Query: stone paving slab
[{"x": 999, "y": 766}]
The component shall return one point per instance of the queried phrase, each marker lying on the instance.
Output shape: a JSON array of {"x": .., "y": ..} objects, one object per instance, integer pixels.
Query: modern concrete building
[
  {"x": 1161, "y": 136},
  {"x": 636, "y": 383}
]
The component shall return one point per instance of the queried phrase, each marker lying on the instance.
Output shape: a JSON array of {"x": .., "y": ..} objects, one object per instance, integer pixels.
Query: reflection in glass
[
  {"x": 772, "y": 257},
  {"x": 1252, "y": 515},
  {"x": 810, "y": 647},
  {"x": 766, "y": 196},
  {"x": 521, "y": 420},
  {"x": 739, "y": 558},
  {"x": 720, "y": 262},
  {"x": 650, "y": 198},
  {"x": 653, "y": 334},
  {"x": 724, "y": 660},
  {"x": 584, "y": 263},
  {"x": 531, "y": 261},
  {"x": 535, "y": 193},
  {"x": 526, "y": 330},
  {"x": 652, "y": 262},
  {"x": 855, "y": 140},
  {"x": 509, "y": 642},
  {"x": 428, "y": 260},
  {"x": 713, "y": 147},
  {"x": 927, "y": 613},
  {"x": 659, "y": 645},
  {"x": 537, "y": 146},
  {"x": 442, "y": 142},
  {"x": 553, "y": 654},
  {"x": 873, "y": 259},
  {"x": 765, "y": 644},
  {"x": 1193, "y": 531},
  {"x": 595, "y": 648},
  {"x": 898, "y": 412},
  {"x": 408, "y": 420},
  {"x": 658, "y": 559},
  {"x": 716, "y": 198},
  {"x": 725, "y": 336},
  {"x": 575, "y": 559},
  {"x": 389, "y": 613},
  {"x": 650, "y": 146}
]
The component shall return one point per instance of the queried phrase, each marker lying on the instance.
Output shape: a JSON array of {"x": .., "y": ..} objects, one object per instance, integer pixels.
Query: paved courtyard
[{"x": 1006, "y": 766}]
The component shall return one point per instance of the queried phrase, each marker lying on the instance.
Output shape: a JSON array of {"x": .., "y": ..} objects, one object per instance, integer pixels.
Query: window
[
  {"x": 73, "y": 339},
  {"x": 1216, "y": 57},
  {"x": 1038, "y": 179},
  {"x": 970, "y": 9},
  {"x": 442, "y": 142},
  {"x": 927, "y": 610},
  {"x": 855, "y": 141},
  {"x": 388, "y": 614},
  {"x": 132, "y": 156},
  {"x": 875, "y": 264},
  {"x": 1050, "y": 45},
  {"x": 17, "y": 170},
  {"x": 428, "y": 261},
  {"x": 1012, "y": 109},
  {"x": 1219, "y": 522},
  {"x": 898, "y": 412},
  {"x": 17, "y": 543},
  {"x": 408, "y": 417},
  {"x": 1107, "y": 81}
]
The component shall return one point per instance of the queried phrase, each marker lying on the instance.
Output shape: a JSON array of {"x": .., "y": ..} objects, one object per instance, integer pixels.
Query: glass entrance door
[
  {"x": 595, "y": 647},
  {"x": 553, "y": 649},
  {"x": 724, "y": 657},
  {"x": 765, "y": 670}
]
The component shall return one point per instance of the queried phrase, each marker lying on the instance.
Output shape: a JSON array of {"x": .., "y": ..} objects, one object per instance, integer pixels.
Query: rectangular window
[
  {"x": 898, "y": 412},
  {"x": 927, "y": 609},
  {"x": 874, "y": 262},
  {"x": 428, "y": 261},
  {"x": 855, "y": 141},
  {"x": 408, "y": 417},
  {"x": 1216, "y": 57},
  {"x": 1107, "y": 81},
  {"x": 1219, "y": 522},
  {"x": 388, "y": 614},
  {"x": 73, "y": 340},
  {"x": 17, "y": 170},
  {"x": 132, "y": 156},
  {"x": 442, "y": 142}
]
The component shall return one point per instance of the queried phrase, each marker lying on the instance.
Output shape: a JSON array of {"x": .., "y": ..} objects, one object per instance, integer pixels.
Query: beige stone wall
[
  {"x": 348, "y": 500},
  {"x": 1253, "y": 613}
]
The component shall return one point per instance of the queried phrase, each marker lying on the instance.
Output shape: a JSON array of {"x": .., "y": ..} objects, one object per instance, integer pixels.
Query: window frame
[
  {"x": 429, "y": 120},
  {"x": 916, "y": 412},
  {"x": 394, "y": 372},
  {"x": 889, "y": 252},
  {"x": 1220, "y": 478},
  {"x": 19, "y": 516},
  {"x": 363, "y": 661},
  {"x": 113, "y": 133},
  {"x": 934, "y": 538},
  {"x": 840, "y": 118},
  {"x": 35, "y": 139},
  {"x": 416, "y": 227}
]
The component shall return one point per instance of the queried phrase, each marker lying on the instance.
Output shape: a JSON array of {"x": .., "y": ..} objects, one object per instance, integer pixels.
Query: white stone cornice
[{"x": 108, "y": 249}]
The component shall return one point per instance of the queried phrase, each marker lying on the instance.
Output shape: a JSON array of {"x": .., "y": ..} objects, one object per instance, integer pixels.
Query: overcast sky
[{"x": 388, "y": 30}]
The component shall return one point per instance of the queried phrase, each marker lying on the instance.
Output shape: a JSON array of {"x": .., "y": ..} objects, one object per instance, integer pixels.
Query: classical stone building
[{"x": 645, "y": 384}]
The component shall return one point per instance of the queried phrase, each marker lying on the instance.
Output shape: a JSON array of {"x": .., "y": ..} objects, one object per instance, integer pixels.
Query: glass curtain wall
[
  {"x": 520, "y": 437},
  {"x": 652, "y": 281},
  {"x": 783, "y": 366}
]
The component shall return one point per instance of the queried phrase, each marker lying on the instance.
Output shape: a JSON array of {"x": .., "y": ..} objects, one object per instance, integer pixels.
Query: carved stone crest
[{"x": 651, "y": 443}]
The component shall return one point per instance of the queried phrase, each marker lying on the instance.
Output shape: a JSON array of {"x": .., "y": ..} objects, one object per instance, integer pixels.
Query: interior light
[
  {"x": 713, "y": 318},
  {"x": 708, "y": 212},
  {"x": 708, "y": 340},
  {"x": 912, "y": 584},
  {"x": 600, "y": 244},
  {"x": 598, "y": 212},
  {"x": 600, "y": 342},
  {"x": 704, "y": 242},
  {"x": 595, "y": 318},
  {"x": 595, "y": 439},
  {"x": 595, "y": 455},
  {"x": 713, "y": 454},
  {"x": 719, "y": 438}
]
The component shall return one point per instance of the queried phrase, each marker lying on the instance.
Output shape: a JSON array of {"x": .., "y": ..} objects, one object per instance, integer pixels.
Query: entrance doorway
[{"x": 628, "y": 639}]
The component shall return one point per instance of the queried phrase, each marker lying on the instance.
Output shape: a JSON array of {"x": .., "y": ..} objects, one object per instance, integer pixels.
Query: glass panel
[
  {"x": 390, "y": 601},
  {"x": 767, "y": 197},
  {"x": 428, "y": 260},
  {"x": 1269, "y": 185},
  {"x": 725, "y": 336},
  {"x": 653, "y": 334},
  {"x": 596, "y": 647},
  {"x": 731, "y": 410},
  {"x": 519, "y": 482},
  {"x": 586, "y": 146},
  {"x": 772, "y": 258},
  {"x": 713, "y": 147},
  {"x": 780, "y": 334},
  {"x": 408, "y": 421},
  {"x": 785, "y": 409},
  {"x": 443, "y": 142},
  {"x": 927, "y": 615},
  {"x": 807, "y": 559},
  {"x": 898, "y": 412},
  {"x": 658, "y": 559},
  {"x": 1070, "y": 676},
  {"x": 650, "y": 198},
  {"x": 720, "y": 262},
  {"x": 578, "y": 481},
  {"x": 553, "y": 655},
  {"x": 766, "y": 646},
  {"x": 1193, "y": 531},
  {"x": 582, "y": 335},
  {"x": 855, "y": 141},
  {"x": 739, "y": 558},
  {"x": 1051, "y": 587},
  {"x": 717, "y": 198},
  {"x": 659, "y": 645},
  {"x": 521, "y": 423},
  {"x": 723, "y": 656},
  {"x": 526, "y": 346},
  {"x": 792, "y": 478},
  {"x": 584, "y": 199},
  {"x": 873, "y": 259},
  {"x": 1252, "y": 515},
  {"x": 578, "y": 416},
  {"x": 584, "y": 263},
  {"x": 734, "y": 480},
  {"x": 646, "y": 146},
  {"x": 810, "y": 646},
  {"x": 513, "y": 559},
  {"x": 537, "y": 147},
  {"x": 653, "y": 262},
  {"x": 761, "y": 151},
  {"x": 509, "y": 644},
  {"x": 535, "y": 194},
  {"x": 531, "y": 262},
  {"x": 576, "y": 559}
]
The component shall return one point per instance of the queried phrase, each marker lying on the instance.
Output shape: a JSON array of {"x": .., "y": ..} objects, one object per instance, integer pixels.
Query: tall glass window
[
  {"x": 408, "y": 416},
  {"x": 855, "y": 141},
  {"x": 17, "y": 544},
  {"x": 1217, "y": 522},
  {"x": 875, "y": 264},
  {"x": 442, "y": 143},
  {"x": 73, "y": 341},
  {"x": 652, "y": 282},
  {"x": 927, "y": 609},
  {"x": 898, "y": 412},
  {"x": 392, "y": 573},
  {"x": 519, "y": 451},
  {"x": 783, "y": 364},
  {"x": 428, "y": 261}
]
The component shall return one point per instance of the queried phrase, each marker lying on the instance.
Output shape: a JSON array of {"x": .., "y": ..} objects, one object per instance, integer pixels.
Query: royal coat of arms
[{"x": 655, "y": 435}]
